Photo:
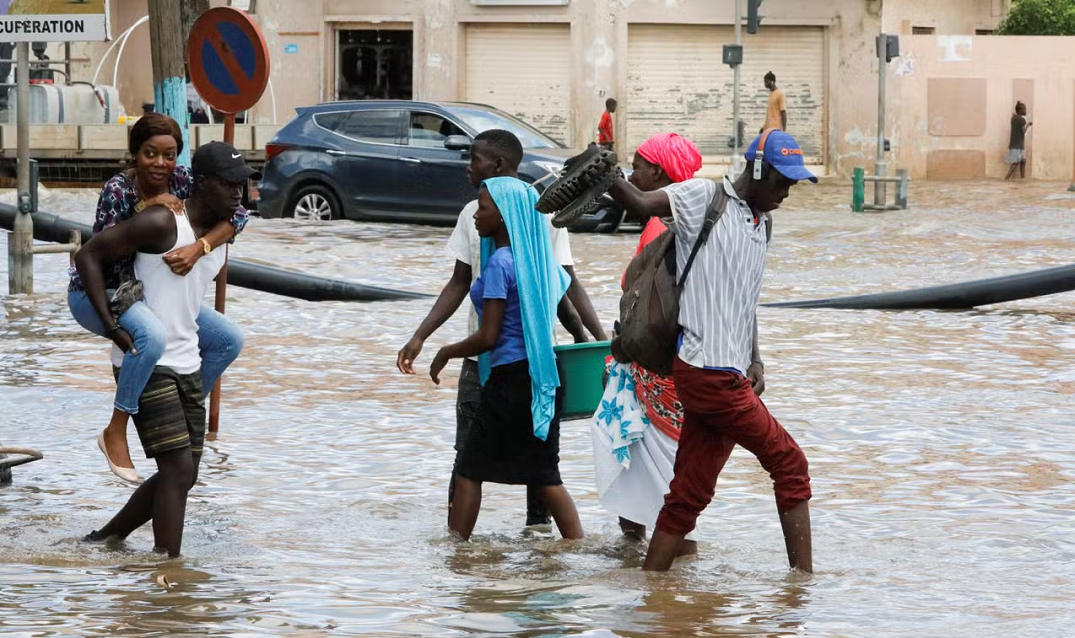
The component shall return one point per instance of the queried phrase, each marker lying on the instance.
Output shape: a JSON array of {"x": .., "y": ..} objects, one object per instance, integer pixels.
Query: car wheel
[{"x": 315, "y": 203}]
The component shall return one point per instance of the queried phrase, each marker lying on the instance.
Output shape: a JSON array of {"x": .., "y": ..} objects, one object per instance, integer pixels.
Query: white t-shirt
[{"x": 465, "y": 246}]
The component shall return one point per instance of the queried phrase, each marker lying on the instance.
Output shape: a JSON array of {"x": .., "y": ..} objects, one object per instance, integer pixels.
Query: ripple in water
[{"x": 941, "y": 449}]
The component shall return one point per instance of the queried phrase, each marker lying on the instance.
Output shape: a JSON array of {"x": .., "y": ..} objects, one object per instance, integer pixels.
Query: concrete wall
[
  {"x": 135, "y": 78},
  {"x": 947, "y": 17},
  {"x": 1001, "y": 69},
  {"x": 599, "y": 41},
  {"x": 952, "y": 101}
]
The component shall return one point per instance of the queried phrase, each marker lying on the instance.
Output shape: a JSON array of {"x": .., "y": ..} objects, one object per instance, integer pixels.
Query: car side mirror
[{"x": 457, "y": 143}]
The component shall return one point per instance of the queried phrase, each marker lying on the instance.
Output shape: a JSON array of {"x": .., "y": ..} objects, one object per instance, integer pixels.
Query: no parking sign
[{"x": 228, "y": 60}]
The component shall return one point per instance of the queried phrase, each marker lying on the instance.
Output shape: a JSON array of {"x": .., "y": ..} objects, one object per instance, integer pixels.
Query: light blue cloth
[
  {"x": 541, "y": 282},
  {"x": 620, "y": 420}
]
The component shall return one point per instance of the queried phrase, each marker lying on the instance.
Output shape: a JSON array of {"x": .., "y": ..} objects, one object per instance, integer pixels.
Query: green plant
[{"x": 1039, "y": 17}]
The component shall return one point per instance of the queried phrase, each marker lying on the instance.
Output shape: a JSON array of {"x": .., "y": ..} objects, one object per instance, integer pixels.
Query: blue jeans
[{"x": 219, "y": 342}]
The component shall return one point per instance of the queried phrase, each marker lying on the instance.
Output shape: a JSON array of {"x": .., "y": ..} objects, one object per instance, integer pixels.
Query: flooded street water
[{"x": 941, "y": 444}]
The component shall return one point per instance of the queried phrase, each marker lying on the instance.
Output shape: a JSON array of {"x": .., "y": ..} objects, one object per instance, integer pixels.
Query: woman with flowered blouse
[{"x": 153, "y": 180}]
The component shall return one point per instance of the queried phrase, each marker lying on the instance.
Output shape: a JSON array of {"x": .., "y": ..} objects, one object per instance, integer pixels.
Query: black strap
[{"x": 712, "y": 216}]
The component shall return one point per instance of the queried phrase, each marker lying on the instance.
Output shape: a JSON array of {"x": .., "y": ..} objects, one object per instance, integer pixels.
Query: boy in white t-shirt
[{"x": 494, "y": 153}]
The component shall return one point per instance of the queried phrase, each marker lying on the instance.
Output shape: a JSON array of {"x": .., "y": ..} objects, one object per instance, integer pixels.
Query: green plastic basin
[{"x": 582, "y": 371}]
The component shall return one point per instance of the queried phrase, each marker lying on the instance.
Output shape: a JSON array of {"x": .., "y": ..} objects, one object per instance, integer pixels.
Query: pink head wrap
[{"x": 677, "y": 156}]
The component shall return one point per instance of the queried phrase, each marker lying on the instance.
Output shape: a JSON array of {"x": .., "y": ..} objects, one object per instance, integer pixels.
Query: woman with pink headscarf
[{"x": 636, "y": 429}]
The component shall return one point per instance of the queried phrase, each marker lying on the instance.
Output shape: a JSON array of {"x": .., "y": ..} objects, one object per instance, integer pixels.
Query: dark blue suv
[{"x": 396, "y": 161}]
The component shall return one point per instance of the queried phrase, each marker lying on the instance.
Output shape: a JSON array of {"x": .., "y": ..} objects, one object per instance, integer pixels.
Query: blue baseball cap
[{"x": 782, "y": 152}]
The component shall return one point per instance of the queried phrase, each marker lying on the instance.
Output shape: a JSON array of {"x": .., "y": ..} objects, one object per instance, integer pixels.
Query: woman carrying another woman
[
  {"x": 636, "y": 430},
  {"x": 516, "y": 437},
  {"x": 155, "y": 142}
]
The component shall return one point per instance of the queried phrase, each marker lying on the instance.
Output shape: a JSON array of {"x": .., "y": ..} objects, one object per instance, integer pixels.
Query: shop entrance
[{"x": 374, "y": 64}]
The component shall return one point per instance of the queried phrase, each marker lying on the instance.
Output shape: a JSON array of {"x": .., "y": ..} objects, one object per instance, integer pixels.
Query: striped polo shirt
[{"x": 720, "y": 297}]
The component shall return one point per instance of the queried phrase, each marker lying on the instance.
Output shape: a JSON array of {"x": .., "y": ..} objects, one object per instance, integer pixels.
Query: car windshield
[{"x": 481, "y": 120}]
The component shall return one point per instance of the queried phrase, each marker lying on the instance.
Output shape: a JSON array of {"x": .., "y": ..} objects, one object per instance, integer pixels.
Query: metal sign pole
[
  {"x": 221, "y": 292},
  {"x": 20, "y": 248},
  {"x": 735, "y": 90},
  {"x": 881, "y": 170}
]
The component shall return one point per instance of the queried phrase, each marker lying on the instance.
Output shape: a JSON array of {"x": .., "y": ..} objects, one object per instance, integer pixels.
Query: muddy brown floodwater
[{"x": 942, "y": 449}]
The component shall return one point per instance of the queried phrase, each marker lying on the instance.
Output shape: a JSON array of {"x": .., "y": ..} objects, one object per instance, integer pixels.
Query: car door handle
[
  {"x": 411, "y": 160},
  {"x": 334, "y": 152}
]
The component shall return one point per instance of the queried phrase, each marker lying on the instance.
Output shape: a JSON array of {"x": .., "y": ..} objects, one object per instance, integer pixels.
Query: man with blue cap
[{"x": 718, "y": 345}]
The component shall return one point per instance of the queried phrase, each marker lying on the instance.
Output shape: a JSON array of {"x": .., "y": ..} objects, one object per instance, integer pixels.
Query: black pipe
[
  {"x": 962, "y": 296},
  {"x": 288, "y": 283}
]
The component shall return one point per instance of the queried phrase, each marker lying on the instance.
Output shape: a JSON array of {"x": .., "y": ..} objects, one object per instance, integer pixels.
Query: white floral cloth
[{"x": 621, "y": 419}]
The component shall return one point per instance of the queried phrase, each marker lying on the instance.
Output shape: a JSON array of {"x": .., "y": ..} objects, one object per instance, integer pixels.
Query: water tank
[{"x": 78, "y": 103}]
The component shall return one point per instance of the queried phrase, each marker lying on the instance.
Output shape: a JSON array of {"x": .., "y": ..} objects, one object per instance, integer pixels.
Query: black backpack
[{"x": 647, "y": 333}]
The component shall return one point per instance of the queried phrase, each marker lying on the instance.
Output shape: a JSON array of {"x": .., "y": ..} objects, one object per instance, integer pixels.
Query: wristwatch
[
  {"x": 206, "y": 246},
  {"x": 140, "y": 206}
]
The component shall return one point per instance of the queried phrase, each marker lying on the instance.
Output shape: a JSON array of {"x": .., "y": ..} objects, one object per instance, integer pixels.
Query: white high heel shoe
[{"x": 126, "y": 473}]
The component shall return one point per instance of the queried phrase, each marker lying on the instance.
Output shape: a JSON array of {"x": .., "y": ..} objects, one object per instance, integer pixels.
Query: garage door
[
  {"x": 524, "y": 70},
  {"x": 676, "y": 82}
]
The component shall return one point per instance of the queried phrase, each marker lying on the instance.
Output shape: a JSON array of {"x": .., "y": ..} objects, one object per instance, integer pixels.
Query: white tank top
[{"x": 176, "y": 300}]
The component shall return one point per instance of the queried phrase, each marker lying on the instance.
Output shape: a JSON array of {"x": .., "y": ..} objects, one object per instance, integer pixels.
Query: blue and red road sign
[{"x": 228, "y": 60}]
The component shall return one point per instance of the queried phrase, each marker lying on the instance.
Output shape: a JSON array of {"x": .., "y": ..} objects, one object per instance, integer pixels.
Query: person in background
[
  {"x": 776, "y": 115},
  {"x": 154, "y": 180},
  {"x": 171, "y": 418},
  {"x": 495, "y": 153},
  {"x": 515, "y": 437},
  {"x": 1016, "y": 156},
  {"x": 606, "y": 137},
  {"x": 41, "y": 74},
  {"x": 197, "y": 109},
  {"x": 718, "y": 317}
]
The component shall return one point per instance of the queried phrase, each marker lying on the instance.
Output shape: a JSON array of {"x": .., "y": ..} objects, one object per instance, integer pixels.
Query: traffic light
[{"x": 753, "y": 18}]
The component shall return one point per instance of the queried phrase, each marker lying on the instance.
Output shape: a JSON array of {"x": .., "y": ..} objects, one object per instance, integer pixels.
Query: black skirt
[{"x": 501, "y": 446}]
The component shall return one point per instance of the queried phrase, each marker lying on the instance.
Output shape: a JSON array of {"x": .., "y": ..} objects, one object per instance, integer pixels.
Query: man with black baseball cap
[
  {"x": 222, "y": 160},
  {"x": 171, "y": 415}
]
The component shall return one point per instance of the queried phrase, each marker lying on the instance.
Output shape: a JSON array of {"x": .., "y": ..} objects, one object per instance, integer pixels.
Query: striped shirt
[{"x": 720, "y": 297}]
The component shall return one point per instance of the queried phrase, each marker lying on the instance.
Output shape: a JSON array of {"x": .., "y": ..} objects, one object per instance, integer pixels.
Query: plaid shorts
[{"x": 171, "y": 412}]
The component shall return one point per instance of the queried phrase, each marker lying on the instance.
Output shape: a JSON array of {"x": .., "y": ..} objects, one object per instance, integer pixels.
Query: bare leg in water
[
  {"x": 466, "y": 505},
  {"x": 162, "y": 498},
  {"x": 637, "y": 532},
  {"x": 563, "y": 511},
  {"x": 468, "y": 501},
  {"x": 115, "y": 436}
]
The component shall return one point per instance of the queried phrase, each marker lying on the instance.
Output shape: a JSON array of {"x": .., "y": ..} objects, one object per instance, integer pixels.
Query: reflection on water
[{"x": 941, "y": 447}]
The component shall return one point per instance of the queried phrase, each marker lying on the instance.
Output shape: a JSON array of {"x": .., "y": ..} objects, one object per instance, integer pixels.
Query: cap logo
[{"x": 790, "y": 151}]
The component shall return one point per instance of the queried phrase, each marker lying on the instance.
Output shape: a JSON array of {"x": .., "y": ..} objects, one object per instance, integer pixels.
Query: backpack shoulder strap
[{"x": 712, "y": 216}]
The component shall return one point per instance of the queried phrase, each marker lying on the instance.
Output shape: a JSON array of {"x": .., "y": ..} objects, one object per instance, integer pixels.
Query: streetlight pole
[
  {"x": 881, "y": 170},
  {"x": 735, "y": 91}
]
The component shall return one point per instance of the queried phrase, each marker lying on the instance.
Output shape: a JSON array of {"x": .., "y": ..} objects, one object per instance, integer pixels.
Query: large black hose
[
  {"x": 962, "y": 296},
  {"x": 49, "y": 227}
]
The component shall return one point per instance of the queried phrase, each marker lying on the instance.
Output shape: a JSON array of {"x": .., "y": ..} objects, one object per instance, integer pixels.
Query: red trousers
[{"x": 720, "y": 411}]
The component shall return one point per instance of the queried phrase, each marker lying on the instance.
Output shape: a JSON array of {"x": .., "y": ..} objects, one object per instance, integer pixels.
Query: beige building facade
[
  {"x": 942, "y": 17},
  {"x": 554, "y": 62},
  {"x": 956, "y": 96}
]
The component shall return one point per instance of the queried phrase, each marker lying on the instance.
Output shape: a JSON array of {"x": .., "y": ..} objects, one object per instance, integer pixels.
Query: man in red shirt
[{"x": 605, "y": 137}]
